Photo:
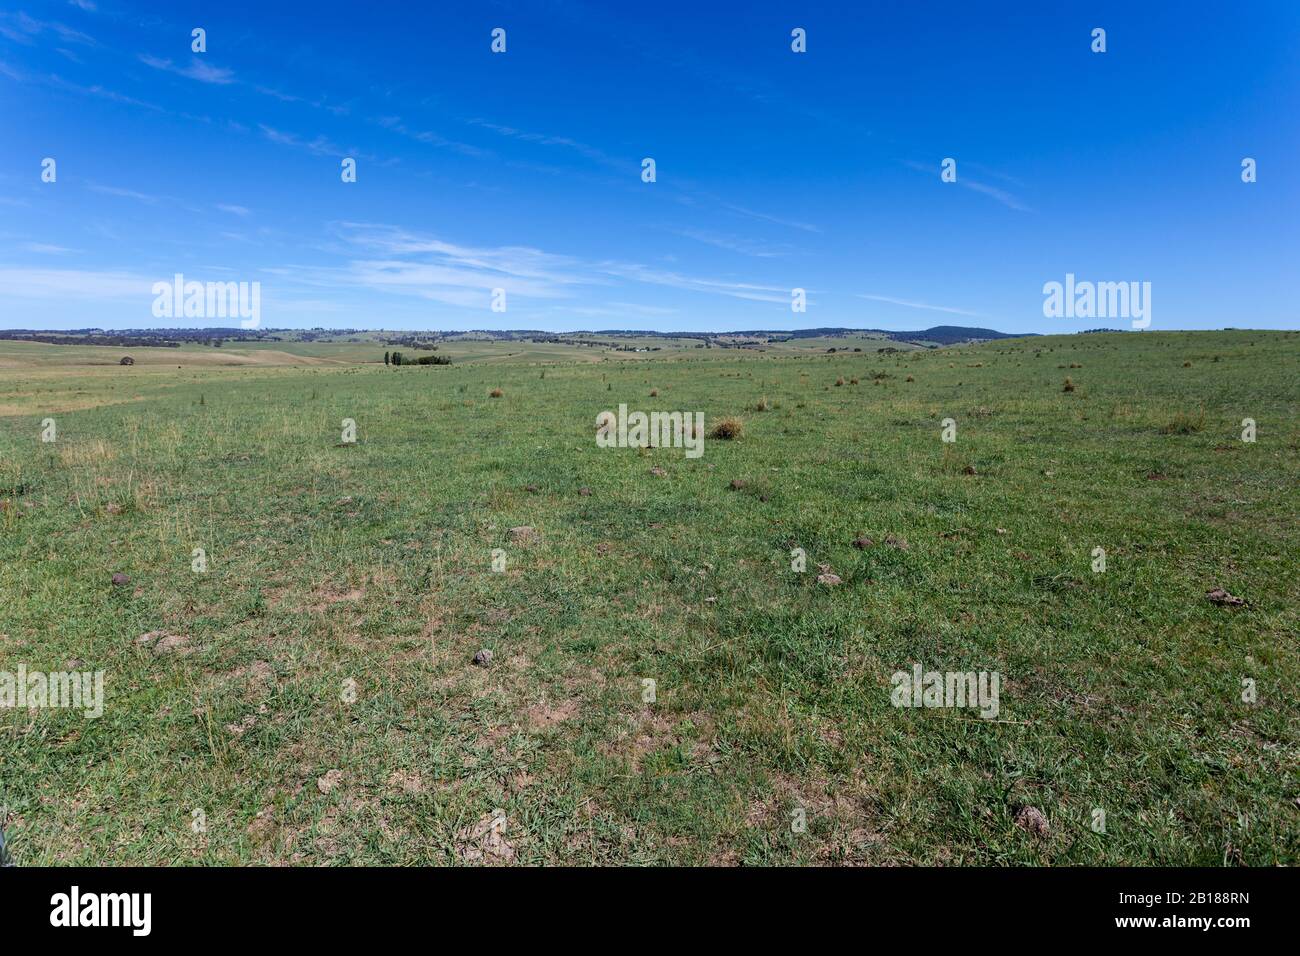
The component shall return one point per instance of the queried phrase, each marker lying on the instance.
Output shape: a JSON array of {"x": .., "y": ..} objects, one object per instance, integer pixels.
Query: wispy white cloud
[
  {"x": 996, "y": 174},
  {"x": 46, "y": 248},
  {"x": 1001, "y": 195},
  {"x": 197, "y": 69},
  {"x": 765, "y": 217},
  {"x": 320, "y": 146},
  {"x": 58, "y": 284},
  {"x": 126, "y": 194},
  {"x": 921, "y": 305},
  {"x": 233, "y": 210},
  {"x": 545, "y": 139},
  {"x": 57, "y": 82},
  {"x": 1007, "y": 199},
  {"x": 629, "y": 171},
  {"x": 394, "y": 260},
  {"x": 98, "y": 91},
  {"x": 21, "y": 28},
  {"x": 676, "y": 280},
  {"x": 148, "y": 199},
  {"x": 428, "y": 137},
  {"x": 747, "y": 247}
]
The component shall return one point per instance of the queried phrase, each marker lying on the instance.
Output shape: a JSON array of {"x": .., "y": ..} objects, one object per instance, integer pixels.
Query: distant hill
[
  {"x": 950, "y": 334},
  {"x": 942, "y": 334},
  {"x": 938, "y": 335}
]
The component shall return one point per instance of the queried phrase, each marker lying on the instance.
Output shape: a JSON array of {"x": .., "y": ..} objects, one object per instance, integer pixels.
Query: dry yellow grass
[{"x": 94, "y": 452}]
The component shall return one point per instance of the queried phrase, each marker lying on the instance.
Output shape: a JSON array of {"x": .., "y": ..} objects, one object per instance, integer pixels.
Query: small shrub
[
  {"x": 1068, "y": 386},
  {"x": 495, "y": 393},
  {"x": 840, "y": 380},
  {"x": 1184, "y": 424},
  {"x": 762, "y": 404},
  {"x": 727, "y": 428},
  {"x": 654, "y": 393}
]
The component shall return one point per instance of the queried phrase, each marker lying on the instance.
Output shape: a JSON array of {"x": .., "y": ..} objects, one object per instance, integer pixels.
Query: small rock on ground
[
  {"x": 328, "y": 782},
  {"x": 1031, "y": 820},
  {"x": 827, "y": 576},
  {"x": 1220, "y": 596}
]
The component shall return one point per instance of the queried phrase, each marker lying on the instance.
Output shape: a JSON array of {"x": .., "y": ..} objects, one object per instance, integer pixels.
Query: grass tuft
[{"x": 727, "y": 428}]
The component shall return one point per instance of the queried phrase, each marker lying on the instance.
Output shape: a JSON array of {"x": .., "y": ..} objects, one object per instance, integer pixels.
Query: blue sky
[{"x": 775, "y": 170}]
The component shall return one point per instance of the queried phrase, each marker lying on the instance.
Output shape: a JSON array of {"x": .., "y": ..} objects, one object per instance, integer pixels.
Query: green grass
[{"x": 369, "y": 567}]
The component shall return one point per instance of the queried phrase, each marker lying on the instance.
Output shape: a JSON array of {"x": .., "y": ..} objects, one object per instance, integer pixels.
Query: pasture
[{"x": 663, "y": 687}]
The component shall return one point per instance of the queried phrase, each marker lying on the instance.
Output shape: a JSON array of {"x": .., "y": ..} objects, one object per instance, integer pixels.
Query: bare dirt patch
[
  {"x": 406, "y": 781},
  {"x": 327, "y": 597},
  {"x": 544, "y": 716},
  {"x": 486, "y": 841},
  {"x": 163, "y": 643}
]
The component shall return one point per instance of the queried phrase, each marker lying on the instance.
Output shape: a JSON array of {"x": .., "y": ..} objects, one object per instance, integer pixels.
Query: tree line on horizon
[{"x": 396, "y": 358}]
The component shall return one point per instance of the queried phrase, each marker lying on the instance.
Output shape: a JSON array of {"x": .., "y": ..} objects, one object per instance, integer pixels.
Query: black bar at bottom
[{"x": 337, "y": 905}]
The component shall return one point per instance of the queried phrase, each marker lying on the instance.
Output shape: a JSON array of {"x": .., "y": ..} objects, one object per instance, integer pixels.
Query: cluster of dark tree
[
  {"x": 318, "y": 333},
  {"x": 414, "y": 341},
  {"x": 395, "y": 358},
  {"x": 141, "y": 338},
  {"x": 84, "y": 338}
]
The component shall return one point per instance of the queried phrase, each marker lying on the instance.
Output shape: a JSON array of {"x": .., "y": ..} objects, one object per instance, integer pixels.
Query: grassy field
[{"x": 313, "y": 697}]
